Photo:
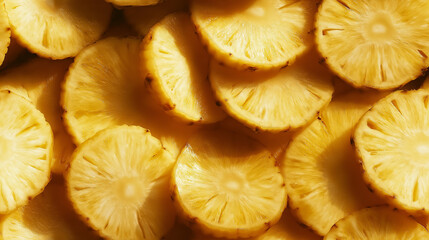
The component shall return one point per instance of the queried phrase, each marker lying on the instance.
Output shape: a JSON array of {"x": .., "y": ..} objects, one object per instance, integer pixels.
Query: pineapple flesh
[
  {"x": 119, "y": 182},
  {"x": 134, "y": 2},
  {"x": 102, "y": 90},
  {"x": 286, "y": 229},
  {"x": 392, "y": 141},
  {"x": 380, "y": 44},
  {"x": 26, "y": 151},
  {"x": 175, "y": 68},
  {"x": 378, "y": 223},
  {"x": 274, "y": 100},
  {"x": 5, "y": 33},
  {"x": 57, "y": 29},
  {"x": 228, "y": 185},
  {"x": 255, "y": 34},
  {"x": 46, "y": 217},
  {"x": 42, "y": 87},
  {"x": 143, "y": 18},
  {"x": 323, "y": 178}
]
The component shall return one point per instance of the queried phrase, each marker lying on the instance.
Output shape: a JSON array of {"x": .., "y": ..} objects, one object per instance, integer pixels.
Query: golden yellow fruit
[
  {"x": 274, "y": 100},
  {"x": 26, "y": 151},
  {"x": 57, "y": 29},
  {"x": 228, "y": 185},
  {"x": 286, "y": 229},
  {"x": 380, "y": 44},
  {"x": 255, "y": 34},
  {"x": 323, "y": 178},
  {"x": 175, "y": 68},
  {"x": 48, "y": 216},
  {"x": 392, "y": 141},
  {"x": 5, "y": 32},
  {"x": 39, "y": 80},
  {"x": 102, "y": 90},
  {"x": 377, "y": 223},
  {"x": 119, "y": 180}
]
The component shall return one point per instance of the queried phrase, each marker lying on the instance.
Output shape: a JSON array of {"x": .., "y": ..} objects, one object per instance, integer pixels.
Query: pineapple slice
[
  {"x": 377, "y": 223},
  {"x": 380, "y": 44},
  {"x": 134, "y": 2},
  {"x": 39, "y": 80},
  {"x": 48, "y": 216},
  {"x": 118, "y": 181},
  {"x": 4, "y": 32},
  {"x": 322, "y": 176},
  {"x": 255, "y": 34},
  {"x": 286, "y": 229},
  {"x": 392, "y": 141},
  {"x": 274, "y": 101},
  {"x": 102, "y": 90},
  {"x": 57, "y": 29},
  {"x": 143, "y": 18},
  {"x": 228, "y": 185},
  {"x": 26, "y": 151},
  {"x": 175, "y": 67}
]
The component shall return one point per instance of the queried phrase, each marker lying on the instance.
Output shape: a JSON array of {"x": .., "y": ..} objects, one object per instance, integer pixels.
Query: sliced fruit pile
[{"x": 214, "y": 119}]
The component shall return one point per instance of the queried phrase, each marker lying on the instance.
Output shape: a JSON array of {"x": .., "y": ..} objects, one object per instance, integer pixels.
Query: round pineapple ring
[
  {"x": 255, "y": 34},
  {"x": 57, "y": 29},
  {"x": 380, "y": 44},
  {"x": 377, "y": 223},
  {"x": 134, "y": 2},
  {"x": 119, "y": 182},
  {"x": 274, "y": 101},
  {"x": 392, "y": 141},
  {"x": 26, "y": 151},
  {"x": 228, "y": 185},
  {"x": 323, "y": 179},
  {"x": 176, "y": 67}
]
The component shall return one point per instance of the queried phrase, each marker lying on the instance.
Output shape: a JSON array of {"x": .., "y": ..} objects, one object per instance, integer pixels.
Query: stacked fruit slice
[
  {"x": 118, "y": 181},
  {"x": 26, "y": 151},
  {"x": 57, "y": 29},
  {"x": 228, "y": 185}
]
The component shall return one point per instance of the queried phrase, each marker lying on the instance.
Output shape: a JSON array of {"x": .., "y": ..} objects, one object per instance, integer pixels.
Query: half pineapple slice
[
  {"x": 4, "y": 32},
  {"x": 39, "y": 80},
  {"x": 134, "y": 2},
  {"x": 119, "y": 181},
  {"x": 286, "y": 229},
  {"x": 387, "y": 39},
  {"x": 274, "y": 101},
  {"x": 175, "y": 67},
  {"x": 48, "y": 216},
  {"x": 255, "y": 34},
  {"x": 322, "y": 176},
  {"x": 57, "y": 29},
  {"x": 102, "y": 90},
  {"x": 26, "y": 151},
  {"x": 377, "y": 223},
  {"x": 228, "y": 185},
  {"x": 392, "y": 141},
  {"x": 143, "y": 18}
]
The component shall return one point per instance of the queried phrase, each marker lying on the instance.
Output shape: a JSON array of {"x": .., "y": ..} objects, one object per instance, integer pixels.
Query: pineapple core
[{"x": 380, "y": 28}]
